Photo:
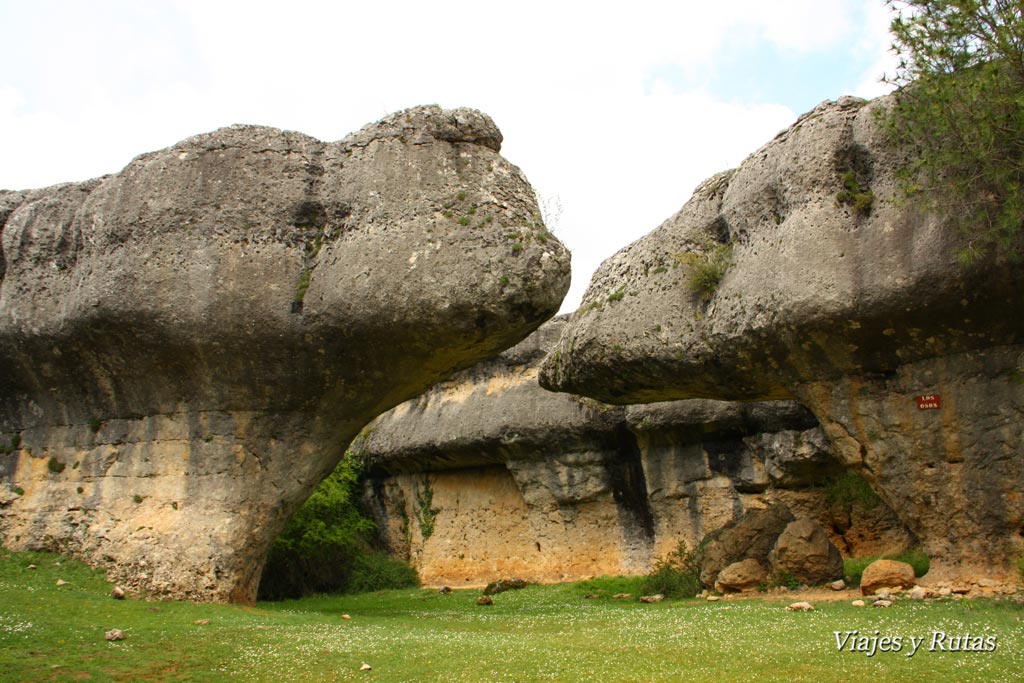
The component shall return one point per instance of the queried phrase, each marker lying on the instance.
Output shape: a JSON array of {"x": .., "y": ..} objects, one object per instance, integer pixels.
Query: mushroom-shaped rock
[
  {"x": 187, "y": 346},
  {"x": 807, "y": 274}
]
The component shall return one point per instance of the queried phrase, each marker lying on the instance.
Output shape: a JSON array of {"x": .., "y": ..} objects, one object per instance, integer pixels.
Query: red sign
[{"x": 929, "y": 402}]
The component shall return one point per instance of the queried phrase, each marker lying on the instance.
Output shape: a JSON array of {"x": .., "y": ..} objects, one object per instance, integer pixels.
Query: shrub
[
  {"x": 852, "y": 490},
  {"x": 378, "y": 572},
  {"x": 55, "y": 466},
  {"x": 861, "y": 200},
  {"x": 706, "y": 270},
  {"x": 677, "y": 575},
  {"x": 317, "y": 550}
]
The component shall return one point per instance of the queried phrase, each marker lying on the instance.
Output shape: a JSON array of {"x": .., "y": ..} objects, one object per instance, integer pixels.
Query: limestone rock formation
[
  {"x": 804, "y": 274},
  {"x": 187, "y": 346},
  {"x": 488, "y": 475}
]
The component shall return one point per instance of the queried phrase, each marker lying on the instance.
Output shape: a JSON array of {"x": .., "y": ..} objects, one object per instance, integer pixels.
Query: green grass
[{"x": 540, "y": 633}]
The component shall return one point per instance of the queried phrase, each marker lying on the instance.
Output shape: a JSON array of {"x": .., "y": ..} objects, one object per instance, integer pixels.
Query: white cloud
[{"x": 574, "y": 88}]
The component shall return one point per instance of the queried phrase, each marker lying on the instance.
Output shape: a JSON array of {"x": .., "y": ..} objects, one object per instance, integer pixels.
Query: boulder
[
  {"x": 768, "y": 284},
  {"x": 187, "y": 346},
  {"x": 746, "y": 575},
  {"x": 881, "y": 575},
  {"x": 750, "y": 536},
  {"x": 804, "y": 551}
]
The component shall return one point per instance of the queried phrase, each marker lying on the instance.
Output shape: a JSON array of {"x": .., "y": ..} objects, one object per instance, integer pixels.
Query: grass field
[{"x": 541, "y": 633}]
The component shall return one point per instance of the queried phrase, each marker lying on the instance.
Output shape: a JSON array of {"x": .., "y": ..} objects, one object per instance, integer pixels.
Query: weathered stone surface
[
  {"x": 187, "y": 346},
  {"x": 804, "y": 551},
  {"x": 489, "y": 475},
  {"x": 886, "y": 574},
  {"x": 745, "y": 575},
  {"x": 855, "y": 314}
]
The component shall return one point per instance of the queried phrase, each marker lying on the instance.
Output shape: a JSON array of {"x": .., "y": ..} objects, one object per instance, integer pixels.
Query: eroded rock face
[
  {"x": 855, "y": 312},
  {"x": 488, "y": 475},
  {"x": 186, "y": 347}
]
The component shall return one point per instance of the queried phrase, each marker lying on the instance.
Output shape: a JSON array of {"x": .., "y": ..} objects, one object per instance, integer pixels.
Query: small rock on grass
[
  {"x": 201, "y": 622},
  {"x": 657, "y": 597},
  {"x": 366, "y": 667},
  {"x": 485, "y": 600},
  {"x": 800, "y": 607},
  {"x": 883, "y": 603},
  {"x": 346, "y": 617},
  {"x": 838, "y": 585},
  {"x": 61, "y": 582},
  {"x": 622, "y": 596},
  {"x": 858, "y": 603},
  {"x": 31, "y": 566},
  {"x": 117, "y": 593},
  {"x": 714, "y": 598},
  {"x": 114, "y": 635}
]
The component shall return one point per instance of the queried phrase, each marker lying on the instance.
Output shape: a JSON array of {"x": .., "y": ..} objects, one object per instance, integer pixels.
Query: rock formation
[
  {"x": 488, "y": 475},
  {"x": 805, "y": 274},
  {"x": 187, "y": 346}
]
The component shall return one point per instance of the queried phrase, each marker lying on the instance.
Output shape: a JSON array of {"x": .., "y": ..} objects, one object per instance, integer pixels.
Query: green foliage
[
  {"x": 137, "y": 498},
  {"x": 426, "y": 514},
  {"x": 861, "y": 200},
  {"x": 618, "y": 294},
  {"x": 961, "y": 114},
  {"x": 707, "y": 269},
  {"x": 1020, "y": 566},
  {"x": 18, "y": 491},
  {"x": 300, "y": 289},
  {"x": 464, "y": 220},
  {"x": 677, "y": 575},
  {"x": 852, "y": 490},
  {"x": 783, "y": 579},
  {"x": 317, "y": 549},
  {"x": 55, "y": 466},
  {"x": 378, "y": 572},
  {"x": 95, "y": 425}
]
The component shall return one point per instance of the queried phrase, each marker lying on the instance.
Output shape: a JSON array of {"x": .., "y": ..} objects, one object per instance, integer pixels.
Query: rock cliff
[
  {"x": 187, "y": 346},
  {"x": 805, "y": 274},
  {"x": 488, "y": 475}
]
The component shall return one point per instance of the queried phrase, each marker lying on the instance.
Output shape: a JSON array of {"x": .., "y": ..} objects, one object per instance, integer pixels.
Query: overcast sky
[{"x": 615, "y": 111}]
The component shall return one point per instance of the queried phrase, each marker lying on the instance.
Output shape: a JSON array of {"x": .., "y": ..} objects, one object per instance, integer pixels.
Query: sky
[{"x": 614, "y": 111}]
